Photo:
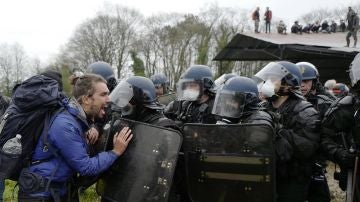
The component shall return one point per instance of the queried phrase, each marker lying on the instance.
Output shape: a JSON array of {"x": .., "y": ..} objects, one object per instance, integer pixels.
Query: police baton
[{"x": 354, "y": 177}]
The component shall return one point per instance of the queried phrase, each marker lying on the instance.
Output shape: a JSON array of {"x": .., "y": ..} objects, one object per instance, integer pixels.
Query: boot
[
  {"x": 355, "y": 43},
  {"x": 347, "y": 42}
]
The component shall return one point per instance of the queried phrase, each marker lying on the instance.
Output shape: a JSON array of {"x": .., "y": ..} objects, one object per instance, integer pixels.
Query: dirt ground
[{"x": 337, "y": 195}]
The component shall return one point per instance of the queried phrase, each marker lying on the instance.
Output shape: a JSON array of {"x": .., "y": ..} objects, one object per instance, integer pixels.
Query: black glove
[
  {"x": 345, "y": 159},
  {"x": 283, "y": 148}
]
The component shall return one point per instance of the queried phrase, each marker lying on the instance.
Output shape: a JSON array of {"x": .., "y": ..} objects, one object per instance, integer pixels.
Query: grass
[{"x": 89, "y": 194}]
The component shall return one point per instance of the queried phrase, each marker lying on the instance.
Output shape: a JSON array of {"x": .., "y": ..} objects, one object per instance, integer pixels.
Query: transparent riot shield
[
  {"x": 144, "y": 172},
  {"x": 167, "y": 98},
  {"x": 230, "y": 162}
]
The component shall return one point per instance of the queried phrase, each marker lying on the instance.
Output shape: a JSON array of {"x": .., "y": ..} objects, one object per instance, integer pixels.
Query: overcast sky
[{"x": 42, "y": 26}]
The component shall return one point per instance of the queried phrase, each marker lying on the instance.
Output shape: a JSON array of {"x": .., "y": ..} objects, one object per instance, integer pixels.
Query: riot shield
[
  {"x": 167, "y": 98},
  {"x": 144, "y": 172},
  {"x": 230, "y": 162}
]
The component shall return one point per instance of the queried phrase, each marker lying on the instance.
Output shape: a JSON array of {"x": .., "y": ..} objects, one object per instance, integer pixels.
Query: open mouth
[{"x": 102, "y": 110}]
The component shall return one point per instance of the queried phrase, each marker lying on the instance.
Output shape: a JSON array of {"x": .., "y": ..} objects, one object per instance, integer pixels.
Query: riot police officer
[
  {"x": 195, "y": 97},
  {"x": 341, "y": 133},
  {"x": 161, "y": 83},
  {"x": 135, "y": 99},
  {"x": 297, "y": 123},
  {"x": 311, "y": 90},
  {"x": 105, "y": 70},
  {"x": 237, "y": 101},
  {"x": 163, "y": 92},
  {"x": 215, "y": 154},
  {"x": 136, "y": 96}
]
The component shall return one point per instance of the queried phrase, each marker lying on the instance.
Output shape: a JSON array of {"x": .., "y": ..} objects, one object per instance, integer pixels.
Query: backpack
[
  {"x": 33, "y": 104},
  {"x": 253, "y": 15}
]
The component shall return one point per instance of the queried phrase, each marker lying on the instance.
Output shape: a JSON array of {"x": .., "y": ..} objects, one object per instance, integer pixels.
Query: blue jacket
[{"x": 67, "y": 136}]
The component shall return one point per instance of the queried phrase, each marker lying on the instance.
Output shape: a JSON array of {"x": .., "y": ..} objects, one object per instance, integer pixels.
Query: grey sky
[{"x": 42, "y": 26}]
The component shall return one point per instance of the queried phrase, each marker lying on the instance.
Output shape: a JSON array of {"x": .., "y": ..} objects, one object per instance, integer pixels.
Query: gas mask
[
  {"x": 191, "y": 94},
  {"x": 267, "y": 89}
]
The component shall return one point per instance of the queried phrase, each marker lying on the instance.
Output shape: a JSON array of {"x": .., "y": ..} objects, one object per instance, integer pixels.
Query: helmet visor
[
  {"x": 272, "y": 71},
  {"x": 122, "y": 94},
  {"x": 220, "y": 80},
  {"x": 189, "y": 89},
  {"x": 229, "y": 104},
  {"x": 354, "y": 71}
]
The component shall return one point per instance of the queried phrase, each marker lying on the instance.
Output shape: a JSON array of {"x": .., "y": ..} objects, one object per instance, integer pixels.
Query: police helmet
[
  {"x": 308, "y": 71},
  {"x": 222, "y": 79},
  {"x": 194, "y": 82},
  {"x": 136, "y": 90},
  {"x": 237, "y": 96},
  {"x": 105, "y": 70},
  {"x": 160, "y": 80},
  {"x": 285, "y": 71}
]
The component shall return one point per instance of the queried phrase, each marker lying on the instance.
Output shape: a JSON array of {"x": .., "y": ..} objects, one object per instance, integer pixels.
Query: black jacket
[
  {"x": 191, "y": 112},
  {"x": 297, "y": 127},
  {"x": 321, "y": 103},
  {"x": 338, "y": 125}
]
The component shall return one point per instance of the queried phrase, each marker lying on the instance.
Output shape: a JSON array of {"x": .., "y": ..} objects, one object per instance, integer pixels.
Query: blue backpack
[{"x": 33, "y": 104}]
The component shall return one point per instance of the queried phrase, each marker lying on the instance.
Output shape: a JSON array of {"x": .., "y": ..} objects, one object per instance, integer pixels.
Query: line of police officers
[{"x": 308, "y": 127}]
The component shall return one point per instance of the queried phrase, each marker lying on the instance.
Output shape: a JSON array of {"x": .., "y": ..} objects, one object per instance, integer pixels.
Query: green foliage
[
  {"x": 65, "y": 72},
  {"x": 138, "y": 65},
  {"x": 11, "y": 190}
]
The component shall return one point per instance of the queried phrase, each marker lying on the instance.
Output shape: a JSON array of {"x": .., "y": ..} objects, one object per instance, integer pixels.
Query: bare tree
[
  {"x": 6, "y": 67},
  {"x": 12, "y": 65},
  {"x": 35, "y": 64},
  {"x": 107, "y": 37},
  {"x": 127, "y": 21},
  {"x": 19, "y": 58}
]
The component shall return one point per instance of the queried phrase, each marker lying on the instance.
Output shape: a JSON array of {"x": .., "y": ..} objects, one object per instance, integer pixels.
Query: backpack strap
[
  {"x": 50, "y": 117},
  {"x": 3, "y": 121}
]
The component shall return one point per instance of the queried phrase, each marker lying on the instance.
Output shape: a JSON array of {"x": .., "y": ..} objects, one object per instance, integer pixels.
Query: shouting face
[{"x": 96, "y": 102}]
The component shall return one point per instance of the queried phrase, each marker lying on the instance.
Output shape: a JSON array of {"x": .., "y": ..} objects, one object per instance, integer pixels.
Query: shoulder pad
[
  {"x": 261, "y": 117},
  {"x": 344, "y": 101},
  {"x": 324, "y": 98},
  {"x": 302, "y": 105},
  {"x": 347, "y": 100}
]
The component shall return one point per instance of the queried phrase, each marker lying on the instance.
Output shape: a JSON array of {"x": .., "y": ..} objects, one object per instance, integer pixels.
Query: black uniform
[
  {"x": 191, "y": 111},
  {"x": 297, "y": 123},
  {"x": 341, "y": 134},
  {"x": 319, "y": 188}
]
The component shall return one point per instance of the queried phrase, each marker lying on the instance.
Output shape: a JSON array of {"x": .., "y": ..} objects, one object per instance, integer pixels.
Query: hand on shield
[{"x": 121, "y": 140}]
